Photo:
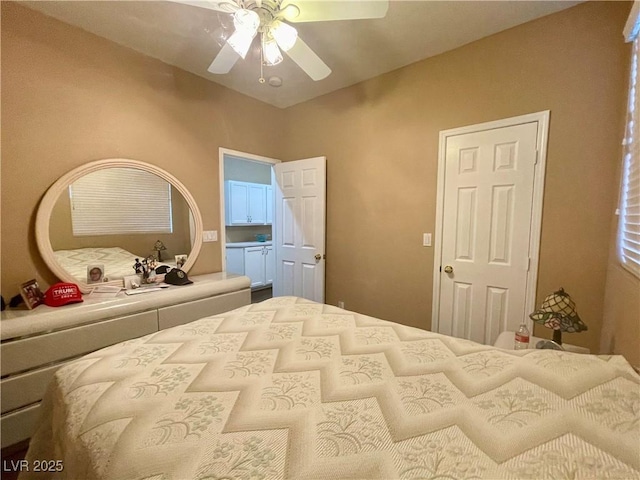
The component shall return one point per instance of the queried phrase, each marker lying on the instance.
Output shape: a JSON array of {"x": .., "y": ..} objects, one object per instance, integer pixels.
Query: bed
[
  {"x": 289, "y": 388},
  {"x": 117, "y": 261}
]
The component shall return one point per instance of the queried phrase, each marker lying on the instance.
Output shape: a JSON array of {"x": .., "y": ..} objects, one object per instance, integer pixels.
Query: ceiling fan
[{"x": 269, "y": 19}]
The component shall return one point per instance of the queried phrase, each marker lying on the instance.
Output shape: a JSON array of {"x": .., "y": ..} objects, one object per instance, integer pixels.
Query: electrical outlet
[
  {"x": 210, "y": 236},
  {"x": 340, "y": 304}
]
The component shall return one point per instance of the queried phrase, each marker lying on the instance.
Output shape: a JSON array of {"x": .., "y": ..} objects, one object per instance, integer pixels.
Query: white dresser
[{"x": 36, "y": 343}]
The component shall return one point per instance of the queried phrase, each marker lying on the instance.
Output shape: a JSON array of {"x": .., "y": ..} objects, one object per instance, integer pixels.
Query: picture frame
[
  {"x": 95, "y": 273},
  {"x": 181, "y": 260},
  {"x": 31, "y": 294}
]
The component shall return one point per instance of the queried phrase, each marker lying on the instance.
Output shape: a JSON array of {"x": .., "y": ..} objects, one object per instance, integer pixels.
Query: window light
[{"x": 629, "y": 222}]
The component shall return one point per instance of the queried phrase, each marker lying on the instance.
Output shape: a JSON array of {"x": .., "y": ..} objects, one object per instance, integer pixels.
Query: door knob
[
  {"x": 318, "y": 257},
  {"x": 448, "y": 269}
]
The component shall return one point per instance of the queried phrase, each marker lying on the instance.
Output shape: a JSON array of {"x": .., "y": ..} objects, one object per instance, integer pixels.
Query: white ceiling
[{"x": 355, "y": 50}]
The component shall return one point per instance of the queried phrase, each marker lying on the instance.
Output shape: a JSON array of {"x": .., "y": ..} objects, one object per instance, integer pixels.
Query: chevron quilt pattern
[{"x": 289, "y": 388}]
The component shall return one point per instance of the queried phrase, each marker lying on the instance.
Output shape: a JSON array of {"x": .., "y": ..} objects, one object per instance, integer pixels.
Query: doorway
[
  {"x": 273, "y": 218},
  {"x": 488, "y": 224},
  {"x": 247, "y": 219}
]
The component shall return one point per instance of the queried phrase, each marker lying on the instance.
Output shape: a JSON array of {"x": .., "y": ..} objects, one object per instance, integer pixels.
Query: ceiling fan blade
[
  {"x": 224, "y": 61},
  {"x": 308, "y": 61},
  {"x": 227, "y": 6},
  {"x": 323, "y": 10}
]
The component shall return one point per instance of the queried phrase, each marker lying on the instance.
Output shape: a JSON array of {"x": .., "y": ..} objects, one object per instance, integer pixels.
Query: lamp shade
[
  {"x": 246, "y": 23},
  {"x": 284, "y": 34},
  {"x": 271, "y": 52},
  {"x": 558, "y": 312}
]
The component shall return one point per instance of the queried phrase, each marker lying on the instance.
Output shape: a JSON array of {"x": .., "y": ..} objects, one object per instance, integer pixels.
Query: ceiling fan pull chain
[{"x": 261, "y": 79}]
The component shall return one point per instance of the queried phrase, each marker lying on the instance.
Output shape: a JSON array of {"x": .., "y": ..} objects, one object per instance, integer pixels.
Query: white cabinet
[
  {"x": 235, "y": 260},
  {"x": 237, "y": 202},
  {"x": 269, "y": 192},
  {"x": 256, "y": 262},
  {"x": 269, "y": 265},
  {"x": 254, "y": 266},
  {"x": 248, "y": 203}
]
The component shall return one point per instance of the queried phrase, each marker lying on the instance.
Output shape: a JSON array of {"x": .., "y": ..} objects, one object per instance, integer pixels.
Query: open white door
[{"x": 299, "y": 231}]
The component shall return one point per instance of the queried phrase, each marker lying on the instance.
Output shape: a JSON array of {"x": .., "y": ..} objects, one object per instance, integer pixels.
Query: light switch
[
  {"x": 210, "y": 236},
  {"x": 426, "y": 239}
]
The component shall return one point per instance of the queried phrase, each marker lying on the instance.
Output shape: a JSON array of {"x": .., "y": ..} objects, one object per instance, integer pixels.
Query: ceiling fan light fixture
[
  {"x": 228, "y": 7},
  {"x": 271, "y": 52},
  {"x": 272, "y": 18},
  {"x": 246, "y": 23},
  {"x": 290, "y": 12},
  {"x": 240, "y": 41},
  {"x": 246, "y": 20},
  {"x": 284, "y": 34}
]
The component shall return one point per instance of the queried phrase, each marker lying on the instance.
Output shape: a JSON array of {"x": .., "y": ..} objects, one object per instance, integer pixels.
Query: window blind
[
  {"x": 629, "y": 224},
  {"x": 117, "y": 201}
]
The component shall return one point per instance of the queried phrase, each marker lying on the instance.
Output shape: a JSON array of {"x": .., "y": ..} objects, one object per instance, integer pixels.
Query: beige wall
[
  {"x": 69, "y": 97},
  {"x": 381, "y": 142},
  {"x": 246, "y": 171}
]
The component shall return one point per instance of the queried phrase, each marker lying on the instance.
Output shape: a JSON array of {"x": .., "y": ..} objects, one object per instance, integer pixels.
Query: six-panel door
[{"x": 488, "y": 200}]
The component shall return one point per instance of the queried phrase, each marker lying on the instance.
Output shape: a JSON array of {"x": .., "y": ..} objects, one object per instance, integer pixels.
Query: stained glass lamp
[
  {"x": 158, "y": 247},
  {"x": 558, "y": 312}
]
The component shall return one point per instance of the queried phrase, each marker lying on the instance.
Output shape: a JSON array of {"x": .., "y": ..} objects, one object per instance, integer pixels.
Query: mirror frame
[{"x": 50, "y": 198}]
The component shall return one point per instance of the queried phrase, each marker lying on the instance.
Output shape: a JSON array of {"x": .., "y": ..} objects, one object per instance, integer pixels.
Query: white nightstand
[{"x": 506, "y": 340}]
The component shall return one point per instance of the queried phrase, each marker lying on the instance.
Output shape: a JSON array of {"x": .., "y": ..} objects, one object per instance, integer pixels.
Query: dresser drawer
[
  {"x": 19, "y": 425},
  {"x": 190, "y": 311},
  {"x": 33, "y": 352},
  {"x": 27, "y": 388}
]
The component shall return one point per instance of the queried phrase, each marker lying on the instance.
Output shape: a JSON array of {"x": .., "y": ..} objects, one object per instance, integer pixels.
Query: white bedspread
[
  {"x": 289, "y": 388},
  {"x": 117, "y": 262}
]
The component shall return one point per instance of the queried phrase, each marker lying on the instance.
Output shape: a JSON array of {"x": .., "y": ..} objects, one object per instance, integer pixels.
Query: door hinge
[
  {"x": 535, "y": 162},
  {"x": 528, "y": 263}
]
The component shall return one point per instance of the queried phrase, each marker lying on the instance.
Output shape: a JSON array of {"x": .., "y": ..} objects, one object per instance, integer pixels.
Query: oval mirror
[{"x": 99, "y": 220}]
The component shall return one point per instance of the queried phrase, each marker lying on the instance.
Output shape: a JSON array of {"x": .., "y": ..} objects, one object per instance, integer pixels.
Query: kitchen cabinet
[
  {"x": 269, "y": 196},
  {"x": 248, "y": 203},
  {"x": 254, "y": 261}
]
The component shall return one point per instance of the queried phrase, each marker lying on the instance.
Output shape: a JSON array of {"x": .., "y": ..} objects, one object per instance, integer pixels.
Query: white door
[
  {"x": 299, "y": 229},
  {"x": 486, "y": 226}
]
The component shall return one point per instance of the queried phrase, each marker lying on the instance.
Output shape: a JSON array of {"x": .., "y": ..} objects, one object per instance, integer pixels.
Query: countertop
[{"x": 249, "y": 244}]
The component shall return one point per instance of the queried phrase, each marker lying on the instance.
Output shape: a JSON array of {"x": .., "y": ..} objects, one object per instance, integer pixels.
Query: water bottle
[{"x": 522, "y": 338}]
